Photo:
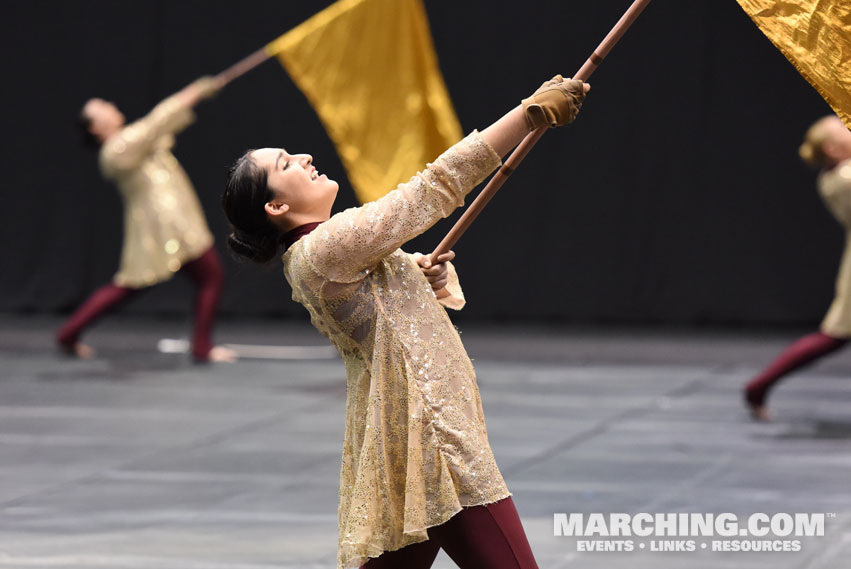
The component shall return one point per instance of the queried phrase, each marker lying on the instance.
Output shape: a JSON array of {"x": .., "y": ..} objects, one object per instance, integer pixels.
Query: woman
[
  {"x": 417, "y": 473},
  {"x": 827, "y": 145},
  {"x": 165, "y": 231}
]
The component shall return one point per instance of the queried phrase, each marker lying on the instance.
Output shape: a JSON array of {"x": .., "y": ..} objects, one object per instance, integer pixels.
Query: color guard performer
[
  {"x": 165, "y": 231},
  {"x": 827, "y": 145},
  {"x": 418, "y": 473}
]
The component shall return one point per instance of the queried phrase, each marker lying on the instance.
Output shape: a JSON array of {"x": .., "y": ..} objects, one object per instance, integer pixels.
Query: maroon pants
[
  {"x": 478, "y": 537},
  {"x": 205, "y": 271},
  {"x": 801, "y": 352}
]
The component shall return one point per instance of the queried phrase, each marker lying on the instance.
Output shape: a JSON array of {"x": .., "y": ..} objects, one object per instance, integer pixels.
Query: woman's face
[
  {"x": 105, "y": 118},
  {"x": 837, "y": 145},
  {"x": 296, "y": 182}
]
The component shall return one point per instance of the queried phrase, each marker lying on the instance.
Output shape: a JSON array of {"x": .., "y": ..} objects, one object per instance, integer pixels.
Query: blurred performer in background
[
  {"x": 418, "y": 473},
  {"x": 165, "y": 231},
  {"x": 827, "y": 146}
]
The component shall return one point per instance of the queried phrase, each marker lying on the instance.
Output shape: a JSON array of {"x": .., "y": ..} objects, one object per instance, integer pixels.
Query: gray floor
[{"x": 141, "y": 460}]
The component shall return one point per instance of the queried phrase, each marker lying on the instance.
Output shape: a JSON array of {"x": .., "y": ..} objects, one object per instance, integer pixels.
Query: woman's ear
[{"x": 276, "y": 208}]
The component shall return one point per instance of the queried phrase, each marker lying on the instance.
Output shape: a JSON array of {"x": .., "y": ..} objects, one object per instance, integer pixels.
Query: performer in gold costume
[
  {"x": 827, "y": 146},
  {"x": 417, "y": 473},
  {"x": 165, "y": 231}
]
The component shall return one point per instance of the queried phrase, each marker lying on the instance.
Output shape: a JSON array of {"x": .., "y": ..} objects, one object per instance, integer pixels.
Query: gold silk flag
[
  {"x": 370, "y": 71},
  {"x": 815, "y": 35}
]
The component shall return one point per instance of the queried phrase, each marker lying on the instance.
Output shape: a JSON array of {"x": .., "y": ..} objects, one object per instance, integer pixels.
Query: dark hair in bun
[{"x": 246, "y": 193}]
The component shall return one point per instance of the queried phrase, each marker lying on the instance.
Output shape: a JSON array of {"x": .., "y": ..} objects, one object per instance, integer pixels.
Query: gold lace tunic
[
  {"x": 164, "y": 225},
  {"x": 416, "y": 448},
  {"x": 835, "y": 189}
]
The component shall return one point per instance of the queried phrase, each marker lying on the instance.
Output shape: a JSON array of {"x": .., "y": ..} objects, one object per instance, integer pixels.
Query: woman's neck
[{"x": 296, "y": 233}]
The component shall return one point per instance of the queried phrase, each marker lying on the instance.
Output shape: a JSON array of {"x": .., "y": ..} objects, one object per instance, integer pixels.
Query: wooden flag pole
[
  {"x": 533, "y": 137},
  {"x": 243, "y": 66}
]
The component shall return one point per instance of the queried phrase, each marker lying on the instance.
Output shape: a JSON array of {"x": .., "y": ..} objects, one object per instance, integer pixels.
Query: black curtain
[{"x": 676, "y": 198}]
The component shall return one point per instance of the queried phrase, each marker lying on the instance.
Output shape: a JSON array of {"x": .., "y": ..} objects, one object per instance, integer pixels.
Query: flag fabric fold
[
  {"x": 370, "y": 71},
  {"x": 815, "y": 35}
]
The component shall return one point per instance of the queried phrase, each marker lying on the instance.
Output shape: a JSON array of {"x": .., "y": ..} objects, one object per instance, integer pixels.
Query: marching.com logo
[{"x": 756, "y": 532}]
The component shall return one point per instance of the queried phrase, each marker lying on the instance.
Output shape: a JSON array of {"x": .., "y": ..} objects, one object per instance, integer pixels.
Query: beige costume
[
  {"x": 164, "y": 225},
  {"x": 835, "y": 189},
  {"x": 416, "y": 448}
]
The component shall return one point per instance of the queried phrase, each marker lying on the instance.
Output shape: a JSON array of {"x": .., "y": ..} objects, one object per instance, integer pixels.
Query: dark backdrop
[{"x": 676, "y": 198}]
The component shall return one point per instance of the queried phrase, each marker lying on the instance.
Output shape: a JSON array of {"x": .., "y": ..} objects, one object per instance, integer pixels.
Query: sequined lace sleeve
[
  {"x": 126, "y": 150},
  {"x": 455, "y": 300},
  {"x": 348, "y": 245}
]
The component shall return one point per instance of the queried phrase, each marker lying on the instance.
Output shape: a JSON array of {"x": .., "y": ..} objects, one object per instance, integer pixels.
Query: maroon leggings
[
  {"x": 801, "y": 352},
  {"x": 205, "y": 271},
  {"x": 478, "y": 537}
]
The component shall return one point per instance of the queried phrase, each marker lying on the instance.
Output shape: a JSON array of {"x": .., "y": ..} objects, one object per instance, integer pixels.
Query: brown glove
[{"x": 555, "y": 103}]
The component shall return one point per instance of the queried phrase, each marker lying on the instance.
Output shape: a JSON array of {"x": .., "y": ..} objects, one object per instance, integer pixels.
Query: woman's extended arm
[
  {"x": 507, "y": 132},
  {"x": 348, "y": 245},
  {"x": 126, "y": 149}
]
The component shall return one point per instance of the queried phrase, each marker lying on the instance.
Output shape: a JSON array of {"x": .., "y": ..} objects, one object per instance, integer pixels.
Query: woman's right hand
[
  {"x": 437, "y": 274},
  {"x": 555, "y": 103}
]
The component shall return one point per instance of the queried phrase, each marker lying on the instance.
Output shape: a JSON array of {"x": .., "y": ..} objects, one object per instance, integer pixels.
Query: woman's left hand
[{"x": 437, "y": 274}]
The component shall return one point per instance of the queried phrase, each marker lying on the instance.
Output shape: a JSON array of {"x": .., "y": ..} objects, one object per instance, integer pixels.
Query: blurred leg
[
  {"x": 207, "y": 274},
  {"x": 798, "y": 354},
  {"x": 103, "y": 300}
]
